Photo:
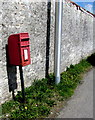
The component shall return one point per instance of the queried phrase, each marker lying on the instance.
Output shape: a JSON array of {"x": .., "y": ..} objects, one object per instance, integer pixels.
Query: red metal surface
[{"x": 19, "y": 49}]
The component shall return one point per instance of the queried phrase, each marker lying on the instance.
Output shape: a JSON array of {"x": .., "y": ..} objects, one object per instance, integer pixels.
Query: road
[{"x": 81, "y": 103}]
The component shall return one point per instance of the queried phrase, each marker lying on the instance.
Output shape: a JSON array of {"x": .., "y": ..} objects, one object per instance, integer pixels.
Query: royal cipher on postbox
[{"x": 19, "y": 49}]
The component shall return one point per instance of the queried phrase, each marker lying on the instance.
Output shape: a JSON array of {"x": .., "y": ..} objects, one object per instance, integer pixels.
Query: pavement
[{"x": 81, "y": 103}]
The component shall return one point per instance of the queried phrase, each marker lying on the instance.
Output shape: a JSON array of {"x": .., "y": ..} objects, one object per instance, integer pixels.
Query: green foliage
[
  {"x": 9, "y": 106},
  {"x": 50, "y": 102},
  {"x": 43, "y": 94},
  {"x": 71, "y": 78},
  {"x": 31, "y": 112},
  {"x": 51, "y": 79}
]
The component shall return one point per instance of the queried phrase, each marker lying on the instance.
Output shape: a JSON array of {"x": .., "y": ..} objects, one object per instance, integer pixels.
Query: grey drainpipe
[{"x": 58, "y": 37}]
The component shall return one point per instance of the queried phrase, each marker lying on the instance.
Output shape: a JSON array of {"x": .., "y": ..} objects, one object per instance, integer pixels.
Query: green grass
[{"x": 44, "y": 94}]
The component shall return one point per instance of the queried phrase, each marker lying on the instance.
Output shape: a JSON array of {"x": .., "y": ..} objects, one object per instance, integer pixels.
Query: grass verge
[{"x": 43, "y": 94}]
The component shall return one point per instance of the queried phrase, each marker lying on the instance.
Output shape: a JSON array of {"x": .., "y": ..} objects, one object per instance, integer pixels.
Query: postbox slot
[
  {"x": 25, "y": 39},
  {"x": 23, "y": 46}
]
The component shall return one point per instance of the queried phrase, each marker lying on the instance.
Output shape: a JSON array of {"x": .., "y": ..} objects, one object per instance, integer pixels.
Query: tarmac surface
[{"x": 81, "y": 103}]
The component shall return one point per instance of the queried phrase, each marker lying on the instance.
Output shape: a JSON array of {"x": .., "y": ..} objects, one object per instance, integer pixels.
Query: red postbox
[{"x": 19, "y": 49}]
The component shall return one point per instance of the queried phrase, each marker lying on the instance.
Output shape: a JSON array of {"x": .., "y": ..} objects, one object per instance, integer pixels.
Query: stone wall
[
  {"x": 77, "y": 42},
  {"x": 25, "y": 16}
]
